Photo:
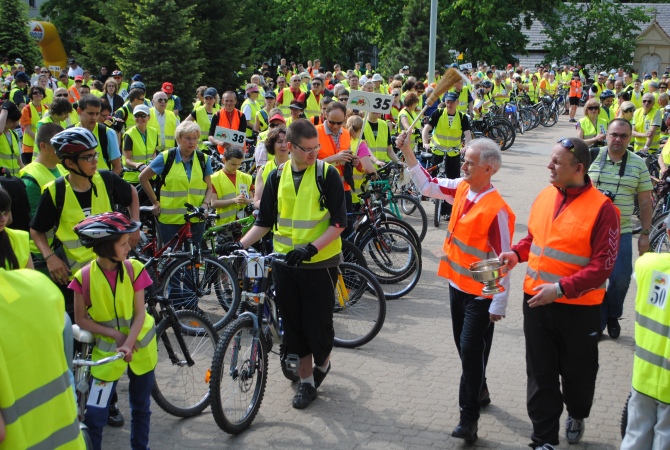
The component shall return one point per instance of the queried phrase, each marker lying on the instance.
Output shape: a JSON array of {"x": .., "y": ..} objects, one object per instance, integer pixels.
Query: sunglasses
[
  {"x": 396, "y": 95},
  {"x": 275, "y": 125},
  {"x": 316, "y": 84},
  {"x": 44, "y": 71},
  {"x": 593, "y": 108},
  {"x": 343, "y": 99},
  {"x": 89, "y": 158},
  {"x": 647, "y": 101},
  {"x": 61, "y": 95},
  {"x": 161, "y": 100},
  {"x": 335, "y": 123},
  {"x": 618, "y": 136},
  {"x": 37, "y": 93},
  {"x": 141, "y": 116},
  {"x": 308, "y": 150}
]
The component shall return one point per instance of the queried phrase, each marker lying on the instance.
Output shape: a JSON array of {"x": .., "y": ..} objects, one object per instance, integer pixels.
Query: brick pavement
[{"x": 401, "y": 390}]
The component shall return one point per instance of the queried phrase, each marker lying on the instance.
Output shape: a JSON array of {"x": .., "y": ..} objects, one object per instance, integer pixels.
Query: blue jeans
[
  {"x": 473, "y": 335},
  {"x": 619, "y": 281},
  {"x": 140, "y": 410}
]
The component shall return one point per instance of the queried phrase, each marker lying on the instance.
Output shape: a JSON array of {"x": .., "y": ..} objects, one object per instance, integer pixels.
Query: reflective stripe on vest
[
  {"x": 589, "y": 129},
  {"x": 10, "y": 151},
  {"x": 77, "y": 254},
  {"x": 651, "y": 369},
  {"x": 143, "y": 151},
  {"x": 643, "y": 123},
  {"x": 37, "y": 403},
  {"x": 225, "y": 190},
  {"x": 562, "y": 246},
  {"x": 255, "y": 107},
  {"x": 446, "y": 136},
  {"x": 287, "y": 98},
  {"x": 299, "y": 226},
  {"x": 467, "y": 237},
  {"x": 115, "y": 309},
  {"x": 378, "y": 145},
  {"x": 179, "y": 189}
]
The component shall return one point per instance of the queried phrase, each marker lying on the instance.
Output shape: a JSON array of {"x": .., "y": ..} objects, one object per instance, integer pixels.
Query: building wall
[{"x": 652, "y": 51}]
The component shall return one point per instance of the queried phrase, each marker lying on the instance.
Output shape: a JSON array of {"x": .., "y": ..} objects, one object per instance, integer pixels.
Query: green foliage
[
  {"x": 599, "y": 33},
  {"x": 410, "y": 43},
  {"x": 146, "y": 48},
  {"x": 15, "y": 40}
]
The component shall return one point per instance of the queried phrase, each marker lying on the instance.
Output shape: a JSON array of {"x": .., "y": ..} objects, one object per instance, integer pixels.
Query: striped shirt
[{"x": 635, "y": 180}]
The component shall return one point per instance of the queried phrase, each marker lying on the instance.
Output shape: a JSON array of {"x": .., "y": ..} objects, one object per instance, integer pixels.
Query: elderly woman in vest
[
  {"x": 592, "y": 128},
  {"x": 186, "y": 174}
]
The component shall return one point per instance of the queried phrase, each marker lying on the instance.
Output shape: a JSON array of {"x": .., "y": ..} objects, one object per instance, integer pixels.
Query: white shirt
[{"x": 74, "y": 72}]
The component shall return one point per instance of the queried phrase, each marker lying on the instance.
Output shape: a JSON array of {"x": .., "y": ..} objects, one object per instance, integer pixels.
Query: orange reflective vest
[
  {"x": 234, "y": 125},
  {"x": 562, "y": 246},
  {"x": 327, "y": 144},
  {"x": 467, "y": 238}
]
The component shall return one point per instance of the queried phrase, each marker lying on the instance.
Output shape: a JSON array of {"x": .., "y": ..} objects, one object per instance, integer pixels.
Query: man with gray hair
[{"x": 481, "y": 227}]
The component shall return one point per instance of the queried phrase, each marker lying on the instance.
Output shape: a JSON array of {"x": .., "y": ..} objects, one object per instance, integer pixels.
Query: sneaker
[
  {"x": 484, "y": 398},
  {"x": 574, "y": 429},
  {"x": 115, "y": 418},
  {"x": 613, "y": 327},
  {"x": 319, "y": 376},
  {"x": 545, "y": 447},
  {"x": 572, "y": 121},
  {"x": 306, "y": 395},
  {"x": 466, "y": 431}
]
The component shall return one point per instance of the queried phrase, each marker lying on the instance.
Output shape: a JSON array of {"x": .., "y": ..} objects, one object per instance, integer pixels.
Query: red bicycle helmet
[{"x": 104, "y": 227}]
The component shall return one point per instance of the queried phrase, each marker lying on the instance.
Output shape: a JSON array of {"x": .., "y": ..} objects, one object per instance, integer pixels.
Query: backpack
[
  {"x": 171, "y": 156},
  {"x": 102, "y": 140},
  {"x": 320, "y": 185}
]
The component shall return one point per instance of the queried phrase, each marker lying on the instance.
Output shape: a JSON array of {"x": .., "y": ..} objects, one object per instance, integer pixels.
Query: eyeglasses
[
  {"x": 161, "y": 100},
  {"x": 38, "y": 93},
  {"x": 343, "y": 99},
  {"x": 647, "y": 101},
  {"x": 593, "y": 108},
  {"x": 618, "y": 136},
  {"x": 396, "y": 95},
  {"x": 141, "y": 116},
  {"x": 335, "y": 123},
  {"x": 89, "y": 158},
  {"x": 629, "y": 110},
  {"x": 308, "y": 150},
  {"x": 61, "y": 95},
  {"x": 44, "y": 71}
]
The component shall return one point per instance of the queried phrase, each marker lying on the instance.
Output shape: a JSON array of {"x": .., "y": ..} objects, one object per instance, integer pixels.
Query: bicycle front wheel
[
  {"x": 208, "y": 287},
  {"x": 239, "y": 376},
  {"x": 185, "y": 351},
  {"x": 360, "y": 306},
  {"x": 414, "y": 212}
]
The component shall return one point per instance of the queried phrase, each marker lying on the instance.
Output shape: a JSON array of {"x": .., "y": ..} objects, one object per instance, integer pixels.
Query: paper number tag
[
  {"x": 255, "y": 267},
  {"x": 233, "y": 137},
  {"x": 370, "y": 101},
  {"x": 100, "y": 392}
]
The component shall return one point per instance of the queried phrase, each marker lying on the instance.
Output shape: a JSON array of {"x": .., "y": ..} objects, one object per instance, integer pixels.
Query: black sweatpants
[
  {"x": 561, "y": 347},
  {"x": 306, "y": 298}
]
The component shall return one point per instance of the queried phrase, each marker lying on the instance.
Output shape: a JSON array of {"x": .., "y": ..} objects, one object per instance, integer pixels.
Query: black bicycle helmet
[
  {"x": 104, "y": 227},
  {"x": 607, "y": 93},
  {"x": 73, "y": 141},
  {"x": 487, "y": 84},
  {"x": 547, "y": 99},
  {"x": 138, "y": 85}
]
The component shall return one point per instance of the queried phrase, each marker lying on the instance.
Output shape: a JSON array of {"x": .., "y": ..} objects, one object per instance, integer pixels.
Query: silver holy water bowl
[{"x": 489, "y": 272}]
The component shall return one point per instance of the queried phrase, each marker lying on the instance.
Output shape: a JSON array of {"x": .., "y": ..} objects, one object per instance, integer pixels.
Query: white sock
[
  {"x": 309, "y": 380},
  {"x": 324, "y": 368}
]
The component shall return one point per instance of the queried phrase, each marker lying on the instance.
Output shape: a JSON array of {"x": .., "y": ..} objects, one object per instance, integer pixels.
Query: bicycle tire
[
  {"x": 176, "y": 389},
  {"x": 550, "y": 119},
  {"x": 389, "y": 221},
  {"x": 437, "y": 213},
  {"x": 393, "y": 260},
  {"x": 216, "y": 293},
  {"x": 623, "y": 423},
  {"x": 358, "y": 320},
  {"x": 509, "y": 131},
  {"x": 352, "y": 254},
  {"x": 418, "y": 209},
  {"x": 497, "y": 135},
  {"x": 234, "y": 415}
]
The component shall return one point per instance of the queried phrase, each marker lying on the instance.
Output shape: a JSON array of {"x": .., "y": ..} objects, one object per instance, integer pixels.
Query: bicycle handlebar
[{"x": 100, "y": 362}]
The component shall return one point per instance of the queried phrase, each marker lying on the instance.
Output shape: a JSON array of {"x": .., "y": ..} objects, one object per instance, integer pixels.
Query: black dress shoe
[
  {"x": 115, "y": 418},
  {"x": 484, "y": 398},
  {"x": 466, "y": 431},
  {"x": 613, "y": 327}
]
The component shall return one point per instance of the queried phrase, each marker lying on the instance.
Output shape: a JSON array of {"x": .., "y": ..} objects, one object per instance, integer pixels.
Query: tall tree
[
  {"x": 411, "y": 42},
  {"x": 159, "y": 57},
  {"x": 601, "y": 33},
  {"x": 15, "y": 40}
]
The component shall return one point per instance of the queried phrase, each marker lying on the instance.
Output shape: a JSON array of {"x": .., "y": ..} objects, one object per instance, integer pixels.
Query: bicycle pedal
[{"x": 292, "y": 363}]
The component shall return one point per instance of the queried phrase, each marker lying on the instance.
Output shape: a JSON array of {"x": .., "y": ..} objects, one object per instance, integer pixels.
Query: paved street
[{"x": 401, "y": 390}]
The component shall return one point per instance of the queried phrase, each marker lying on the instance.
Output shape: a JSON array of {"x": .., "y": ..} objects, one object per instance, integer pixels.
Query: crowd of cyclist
[{"x": 112, "y": 141}]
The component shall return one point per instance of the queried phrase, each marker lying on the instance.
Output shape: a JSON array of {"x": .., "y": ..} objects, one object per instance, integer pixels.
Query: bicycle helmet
[
  {"x": 454, "y": 65},
  {"x": 547, "y": 99},
  {"x": 117, "y": 73},
  {"x": 73, "y": 141},
  {"x": 607, "y": 93},
  {"x": 487, "y": 84},
  {"x": 138, "y": 85},
  {"x": 104, "y": 227}
]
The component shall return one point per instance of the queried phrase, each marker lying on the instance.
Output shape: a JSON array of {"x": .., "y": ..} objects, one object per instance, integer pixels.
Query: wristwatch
[
  {"x": 559, "y": 292},
  {"x": 645, "y": 232}
]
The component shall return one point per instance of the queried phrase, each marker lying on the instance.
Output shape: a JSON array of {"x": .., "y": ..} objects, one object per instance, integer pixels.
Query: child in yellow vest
[
  {"x": 232, "y": 188},
  {"x": 109, "y": 302}
]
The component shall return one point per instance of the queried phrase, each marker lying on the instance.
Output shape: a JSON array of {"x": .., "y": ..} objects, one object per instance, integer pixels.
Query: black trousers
[
  {"x": 561, "y": 348},
  {"x": 473, "y": 335},
  {"x": 305, "y": 298}
]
